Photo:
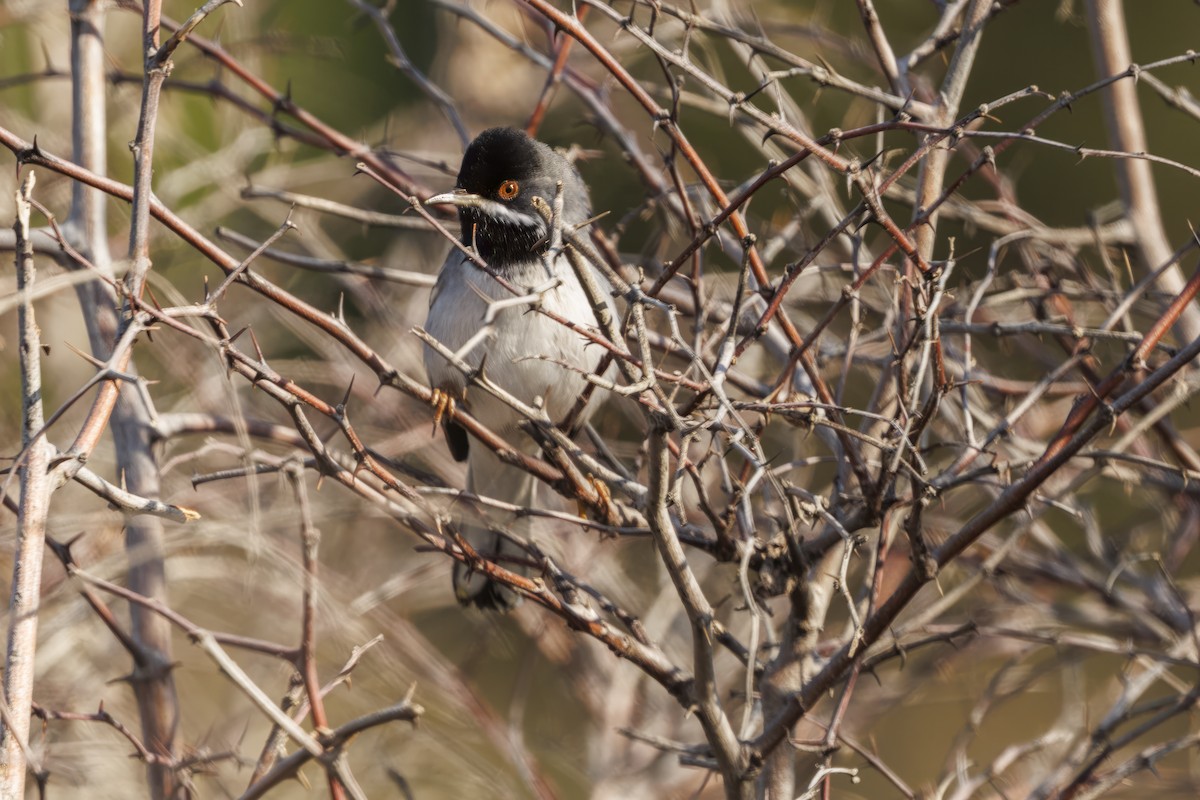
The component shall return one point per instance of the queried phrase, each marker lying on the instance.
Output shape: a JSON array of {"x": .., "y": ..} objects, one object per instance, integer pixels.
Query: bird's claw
[
  {"x": 443, "y": 404},
  {"x": 603, "y": 495},
  {"x": 601, "y": 488}
]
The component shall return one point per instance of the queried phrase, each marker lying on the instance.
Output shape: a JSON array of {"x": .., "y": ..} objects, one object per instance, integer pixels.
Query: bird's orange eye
[{"x": 509, "y": 190}]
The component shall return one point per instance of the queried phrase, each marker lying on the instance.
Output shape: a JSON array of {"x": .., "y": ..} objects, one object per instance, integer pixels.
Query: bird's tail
[{"x": 488, "y": 476}]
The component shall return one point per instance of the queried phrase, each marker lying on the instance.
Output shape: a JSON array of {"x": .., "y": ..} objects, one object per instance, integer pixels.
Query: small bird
[{"x": 527, "y": 354}]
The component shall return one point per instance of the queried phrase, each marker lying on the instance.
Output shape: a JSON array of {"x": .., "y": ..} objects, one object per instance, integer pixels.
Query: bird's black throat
[{"x": 502, "y": 243}]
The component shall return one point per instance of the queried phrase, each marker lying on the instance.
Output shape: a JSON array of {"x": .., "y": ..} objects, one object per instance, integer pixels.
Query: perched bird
[{"x": 527, "y": 353}]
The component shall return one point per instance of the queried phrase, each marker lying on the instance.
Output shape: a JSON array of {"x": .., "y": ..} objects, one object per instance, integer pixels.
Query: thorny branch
[{"x": 849, "y": 363}]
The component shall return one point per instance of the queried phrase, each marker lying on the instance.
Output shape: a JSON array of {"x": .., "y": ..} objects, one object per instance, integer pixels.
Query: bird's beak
[{"x": 459, "y": 197}]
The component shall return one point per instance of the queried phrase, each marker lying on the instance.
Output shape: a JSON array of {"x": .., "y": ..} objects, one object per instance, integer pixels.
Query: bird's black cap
[
  {"x": 501, "y": 154},
  {"x": 502, "y": 170}
]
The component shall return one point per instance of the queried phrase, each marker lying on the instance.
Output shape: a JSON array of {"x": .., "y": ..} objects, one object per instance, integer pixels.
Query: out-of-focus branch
[
  {"x": 933, "y": 168},
  {"x": 25, "y": 593},
  {"x": 400, "y": 60},
  {"x": 1127, "y": 133},
  {"x": 130, "y": 503},
  {"x": 883, "y": 48},
  {"x": 404, "y": 711}
]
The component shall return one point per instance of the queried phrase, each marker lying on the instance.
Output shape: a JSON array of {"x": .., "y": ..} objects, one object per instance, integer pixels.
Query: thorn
[
  {"x": 153, "y": 299},
  {"x": 120, "y": 679},
  {"x": 88, "y": 357},
  {"x": 61, "y": 551},
  {"x": 257, "y": 349}
]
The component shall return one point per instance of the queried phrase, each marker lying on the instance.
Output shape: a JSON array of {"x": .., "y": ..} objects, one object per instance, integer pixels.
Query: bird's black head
[{"x": 502, "y": 170}]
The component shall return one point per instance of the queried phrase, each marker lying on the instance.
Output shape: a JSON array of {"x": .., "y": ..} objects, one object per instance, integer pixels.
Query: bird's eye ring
[{"x": 509, "y": 190}]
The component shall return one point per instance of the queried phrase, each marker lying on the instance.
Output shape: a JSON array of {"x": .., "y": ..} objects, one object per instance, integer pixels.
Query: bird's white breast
[{"x": 524, "y": 352}]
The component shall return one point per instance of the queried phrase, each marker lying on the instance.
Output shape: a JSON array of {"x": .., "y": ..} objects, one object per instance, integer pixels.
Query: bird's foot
[
  {"x": 601, "y": 489},
  {"x": 443, "y": 404},
  {"x": 603, "y": 496}
]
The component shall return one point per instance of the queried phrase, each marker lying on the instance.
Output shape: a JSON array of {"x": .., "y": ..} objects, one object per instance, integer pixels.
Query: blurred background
[{"x": 519, "y": 705}]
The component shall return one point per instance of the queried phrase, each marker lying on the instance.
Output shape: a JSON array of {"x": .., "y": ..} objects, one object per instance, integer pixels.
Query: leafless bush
[{"x": 892, "y": 492}]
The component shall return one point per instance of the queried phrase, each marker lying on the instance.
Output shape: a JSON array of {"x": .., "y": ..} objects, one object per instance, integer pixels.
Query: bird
[{"x": 528, "y": 354}]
